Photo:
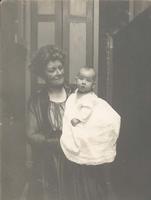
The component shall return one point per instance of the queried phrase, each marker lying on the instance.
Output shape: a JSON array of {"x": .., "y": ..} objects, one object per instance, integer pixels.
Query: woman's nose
[
  {"x": 83, "y": 82},
  {"x": 59, "y": 71}
]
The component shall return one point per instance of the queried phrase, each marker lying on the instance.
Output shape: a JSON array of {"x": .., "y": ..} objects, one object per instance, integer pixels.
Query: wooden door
[
  {"x": 67, "y": 24},
  {"x": 78, "y": 35}
]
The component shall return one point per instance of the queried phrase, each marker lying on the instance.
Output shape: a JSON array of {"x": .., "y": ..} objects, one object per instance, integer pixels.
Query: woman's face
[{"x": 54, "y": 73}]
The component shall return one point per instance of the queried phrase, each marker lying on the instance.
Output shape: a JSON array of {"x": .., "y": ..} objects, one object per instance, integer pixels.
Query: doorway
[{"x": 67, "y": 24}]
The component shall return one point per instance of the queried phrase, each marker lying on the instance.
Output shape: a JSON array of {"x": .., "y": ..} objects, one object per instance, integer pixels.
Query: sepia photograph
[{"x": 75, "y": 99}]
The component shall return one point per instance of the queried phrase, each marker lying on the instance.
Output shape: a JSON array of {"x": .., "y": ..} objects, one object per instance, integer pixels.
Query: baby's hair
[{"x": 88, "y": 69}]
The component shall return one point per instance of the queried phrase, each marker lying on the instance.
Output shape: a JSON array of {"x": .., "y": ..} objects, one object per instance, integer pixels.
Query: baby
[
  {"x": 90, "y": 125},
  {"x": 85, "y": 82}
]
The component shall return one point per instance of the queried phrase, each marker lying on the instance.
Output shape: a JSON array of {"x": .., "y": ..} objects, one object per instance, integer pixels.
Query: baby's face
[{"x": 85, "y": 81}]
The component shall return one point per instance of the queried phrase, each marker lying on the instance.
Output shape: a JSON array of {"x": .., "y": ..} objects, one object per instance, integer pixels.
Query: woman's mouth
[{"x": 58, "y": 78}]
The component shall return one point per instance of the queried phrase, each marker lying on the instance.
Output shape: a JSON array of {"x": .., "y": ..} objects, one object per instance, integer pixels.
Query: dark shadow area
[
  {"x": 132, "y": 99},
  {"x": 13, "y": 106}
]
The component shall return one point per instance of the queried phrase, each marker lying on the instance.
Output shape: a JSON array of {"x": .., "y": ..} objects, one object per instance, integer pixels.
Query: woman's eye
[
  {"x": 50, "y": 70},
  {"x": 60, "y": 67},
  {"x": 81, "y": 78}
]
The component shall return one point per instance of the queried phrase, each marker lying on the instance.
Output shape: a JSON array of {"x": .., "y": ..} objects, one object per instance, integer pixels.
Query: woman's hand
[
  {"x": 52, "y": 140},
  {"x": 37, "y": 138},
  {"x": 53, "y": 143},
  {"x": 29, "y": 162}
]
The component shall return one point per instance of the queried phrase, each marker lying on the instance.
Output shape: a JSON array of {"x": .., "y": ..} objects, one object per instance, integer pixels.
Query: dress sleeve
[{"x": 33, "y": 133}]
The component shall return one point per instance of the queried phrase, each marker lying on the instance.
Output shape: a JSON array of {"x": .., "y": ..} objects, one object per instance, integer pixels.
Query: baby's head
[{"x": 86, "y": 79}]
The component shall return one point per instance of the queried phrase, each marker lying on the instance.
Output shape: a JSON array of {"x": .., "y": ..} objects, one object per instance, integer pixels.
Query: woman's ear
[
  {"x": 75, "y": 79},
  {"x": 41, "y": 80}
]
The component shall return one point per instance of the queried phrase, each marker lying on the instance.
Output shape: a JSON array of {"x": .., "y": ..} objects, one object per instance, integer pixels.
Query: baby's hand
[{"x": 75, "y": 121}]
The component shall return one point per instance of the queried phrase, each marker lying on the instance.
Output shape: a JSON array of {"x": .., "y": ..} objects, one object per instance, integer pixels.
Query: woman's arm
[
  {"x": 37, "y": 137},
  {"x": 33, "y": 134},
  {"x": 34, "y": 138}
]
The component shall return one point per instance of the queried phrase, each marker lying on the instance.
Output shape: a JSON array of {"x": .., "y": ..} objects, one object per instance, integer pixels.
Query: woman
[
  {"x": 50, "y": 172},
  {"x": 53, "y": 177}
]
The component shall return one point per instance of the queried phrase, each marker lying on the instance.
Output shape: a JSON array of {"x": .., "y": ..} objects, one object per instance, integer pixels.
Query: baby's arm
[{"x": 83, "y": 116}]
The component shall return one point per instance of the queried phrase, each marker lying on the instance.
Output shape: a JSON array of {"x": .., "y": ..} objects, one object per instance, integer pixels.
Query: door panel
[
  {"x": 46, "y": 33},
  {"x": 77, "y": 54},
  {"x": 78, "y": 35},
  {"x": 78, "y": 7},
  {"x": 46, "y": 7}
]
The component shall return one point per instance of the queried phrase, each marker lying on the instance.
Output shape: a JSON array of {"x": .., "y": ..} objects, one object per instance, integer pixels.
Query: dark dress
[
  {"x": 49, "y": 169},
  {"x": 53, "y": 177}
]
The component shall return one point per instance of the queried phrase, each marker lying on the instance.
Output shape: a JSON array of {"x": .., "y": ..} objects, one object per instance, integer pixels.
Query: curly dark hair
[{"x": 43, "y": 56}]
